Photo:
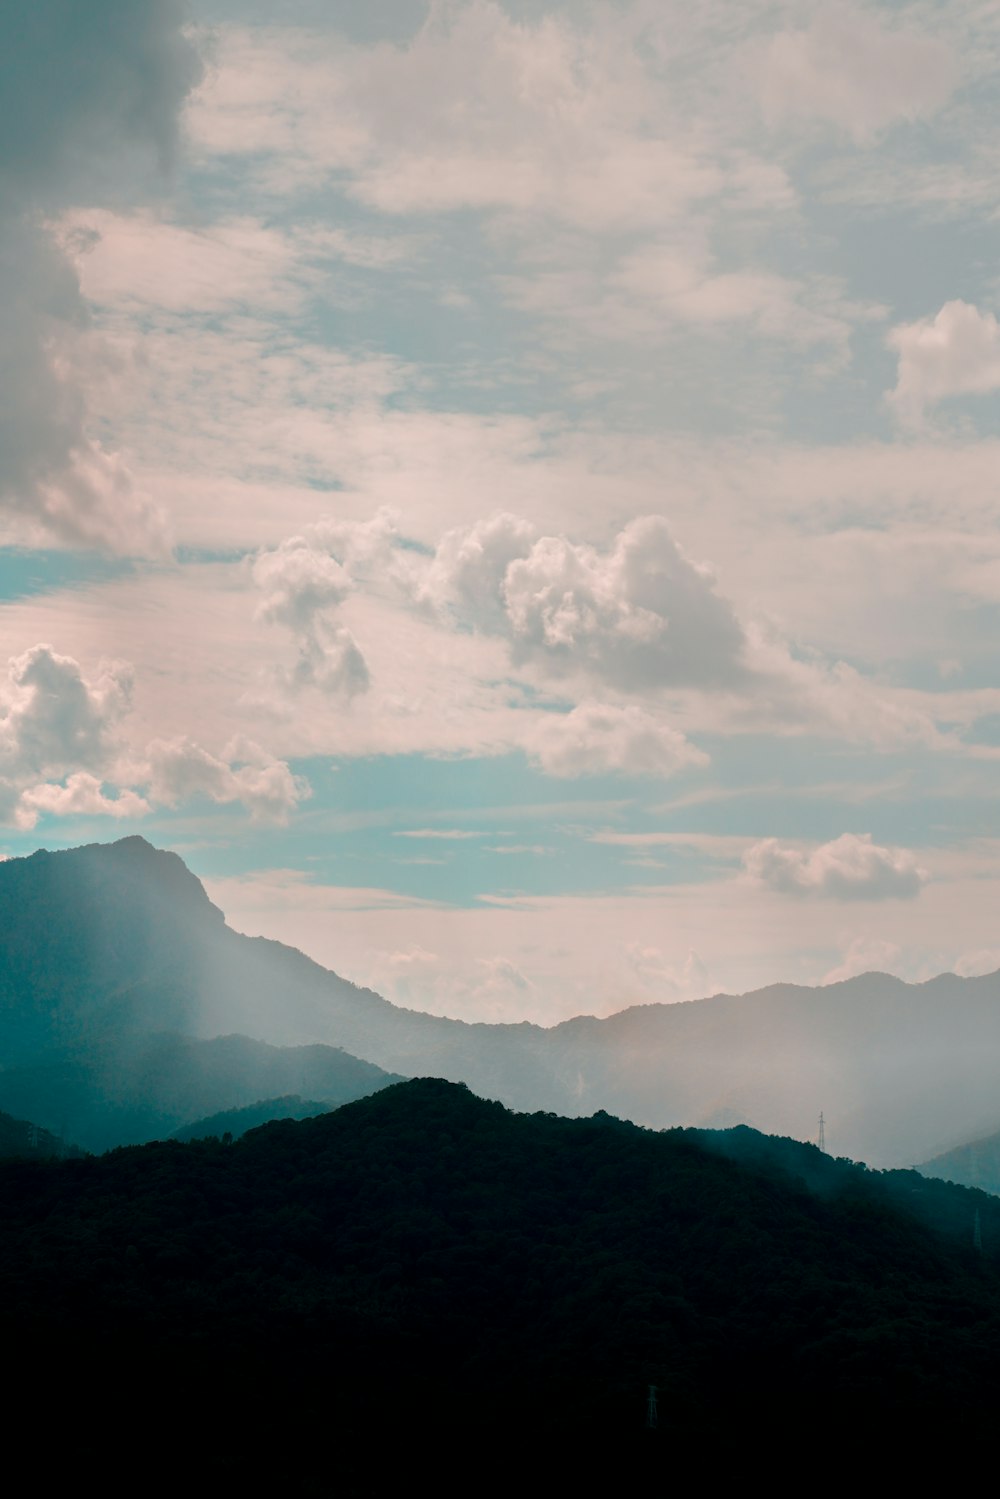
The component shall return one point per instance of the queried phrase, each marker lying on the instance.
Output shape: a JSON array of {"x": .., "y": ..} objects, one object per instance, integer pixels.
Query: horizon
[
  {"x": 565, "y": 1020},
  {"x": 506, "y": 488}
]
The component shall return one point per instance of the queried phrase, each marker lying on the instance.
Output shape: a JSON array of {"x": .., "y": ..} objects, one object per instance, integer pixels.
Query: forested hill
[
  {"x": 355, "y": 1289},
  {"x": 103, "y": 944}
]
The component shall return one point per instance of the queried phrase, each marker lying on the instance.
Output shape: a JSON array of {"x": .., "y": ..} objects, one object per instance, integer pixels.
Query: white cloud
[
  {"x": 64, "y": 740},
  {"x": 851, "y": 71},
  {"x": 469, "y": 569},
  {"x": 865, "y": 955},
  {"x": 477, "y": 110},
  {"x": 179, "y": 770},
  {"x": 689, "y": 288},
  {"x": 978, "y": 962},
  {"x": 54, "y": 722},
  {"x": 302, "y": 584},
  {"x": 640, "y": 615},
  {"x": 139, "y": 262},
  {"x": 298, "y": 581},
  {"x": 447, "y": 834},
  {"x": 665, "y": 982},
  {"x": 81, "y": 796},
  {"x": 595, "y": 738},
  {"x": 54, "y": 719},
  {"x": 850, "y": 867},
  {"x": 955, "y": 353}
]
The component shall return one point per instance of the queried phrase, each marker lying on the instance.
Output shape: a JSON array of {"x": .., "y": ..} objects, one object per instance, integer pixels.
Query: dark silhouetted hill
[{"x": 421, "y": 1281}]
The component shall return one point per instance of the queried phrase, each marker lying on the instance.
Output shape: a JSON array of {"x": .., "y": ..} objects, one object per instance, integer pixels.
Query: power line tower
[
  {"x": 977, "y": 1233},
  {"x": 821, "y": 1142},
  {"x": 652, "y": 1415}
]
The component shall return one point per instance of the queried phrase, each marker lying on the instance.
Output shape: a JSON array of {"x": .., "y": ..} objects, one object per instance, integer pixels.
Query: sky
[{"x": 508, "y": 491}]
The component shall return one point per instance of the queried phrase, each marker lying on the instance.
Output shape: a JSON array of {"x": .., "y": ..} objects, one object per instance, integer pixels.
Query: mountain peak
[{"x": 157, "y": 872}]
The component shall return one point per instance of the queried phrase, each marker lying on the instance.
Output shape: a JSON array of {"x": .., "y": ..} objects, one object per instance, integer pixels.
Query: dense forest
[{"x": 421, "y": 1274}]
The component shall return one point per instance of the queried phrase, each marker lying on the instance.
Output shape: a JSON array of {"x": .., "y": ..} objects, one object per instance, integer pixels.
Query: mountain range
[{"x": 128, "y": 1008}]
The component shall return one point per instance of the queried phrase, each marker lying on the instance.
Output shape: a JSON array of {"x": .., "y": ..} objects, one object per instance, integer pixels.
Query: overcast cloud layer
[{"x": 509, "y": 490}]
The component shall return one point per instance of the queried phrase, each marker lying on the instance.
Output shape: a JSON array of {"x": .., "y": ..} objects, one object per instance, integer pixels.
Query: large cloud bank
[{"x": 89, "y": 97}]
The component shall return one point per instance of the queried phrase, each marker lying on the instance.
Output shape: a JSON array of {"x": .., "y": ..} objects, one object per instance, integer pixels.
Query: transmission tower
[
  {"x": 652, "y": 1417},
  {"x": 977, "y": 1233},
  {"x": 821, "y": 1142}
]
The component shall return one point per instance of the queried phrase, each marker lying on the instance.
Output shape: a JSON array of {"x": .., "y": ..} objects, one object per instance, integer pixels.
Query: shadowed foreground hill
[
  {"x": 422, "y": 1278},
  {"x": 121, "y": 940}
]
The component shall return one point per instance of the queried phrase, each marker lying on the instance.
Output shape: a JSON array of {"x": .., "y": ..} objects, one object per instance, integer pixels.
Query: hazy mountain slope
[
  {"x": 428, "y": 1265},
  {"x": 141, "y": 1086},
  {"x": 236, "y": 1122},
  {"x": 901, "y": 1071},
  {"x": 974, "y": 1164},
  {"x": 898, "y": 1069},
  {"x": 19, "y": 1137}
]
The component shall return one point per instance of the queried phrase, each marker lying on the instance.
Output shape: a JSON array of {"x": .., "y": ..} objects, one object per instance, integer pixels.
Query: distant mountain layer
[
  {"x": 975, "y": 1164},
  {"x": 234, "y": 1123},
  {"x": 20, "y": 1138},
  {"x": 424, "y": 1278},
  {"x": 121, "y": 939},
  {"x": 138, "y": 1086}
]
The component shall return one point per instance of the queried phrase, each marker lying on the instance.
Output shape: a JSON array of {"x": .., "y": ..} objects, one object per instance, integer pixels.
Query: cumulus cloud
[
  {"x": 180, "y": 769},
  {"x": 855, "y": 73},
  {"x": 851, "y": 867},
  {"x": 64, "y": 751},
  {"x": 594, "y": 738},
  {"x": 955, "y": 353},
  {"x": 302, "y": 584},
  {"x": 54, "y": 719},
  {"x": 54, "y": 722},
  {"x": 85, "y": 94},
  {"x": 470, "y": 566},
  {"x": 81, "y": 796},
  {"x": 639, "y": 615},
  {"x": 57, "y": 722}
]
